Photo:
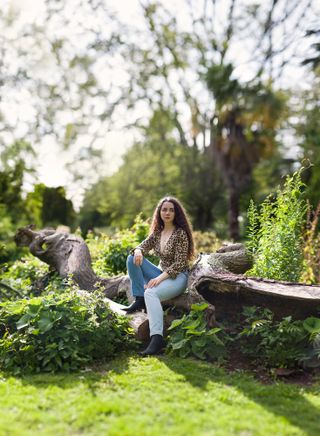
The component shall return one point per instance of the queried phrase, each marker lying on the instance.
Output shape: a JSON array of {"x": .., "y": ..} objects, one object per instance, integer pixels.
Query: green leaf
[
  {"x": 217, "y": 341},
  {"x": 176, "y": 323},
  {"x": 193, "y": 325},
  {"x": 45, "y": 324},
  {"x": 33, "y": 308},
  {"x": 200, "y": 342},
  {"x": 179, "y": 344},
  {"x": 196, "y": 332},
  {"x": 199, "y": 307},
  {"x": 184, "y": 352},
  {"x": 14, "y": 308},
  {"x": 35, "y": 332},
  {"x": 213, "y": 331},
  {"x": 46, "y": 360},
  {"x": 198, "y": 352},
  {"x": 23, "y": 321},
  {"x": 312, "y": 324},
  {"x": 58, "y": 360}
]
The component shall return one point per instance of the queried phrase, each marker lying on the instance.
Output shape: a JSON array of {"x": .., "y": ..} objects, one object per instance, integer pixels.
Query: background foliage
[{"x": 209, "y": 128}]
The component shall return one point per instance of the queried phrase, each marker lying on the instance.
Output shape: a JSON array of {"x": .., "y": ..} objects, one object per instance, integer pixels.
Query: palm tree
[{"x": 242, "y": 131}]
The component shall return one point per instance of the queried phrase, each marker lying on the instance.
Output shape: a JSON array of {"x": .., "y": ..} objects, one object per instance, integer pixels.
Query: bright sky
[{"x": 52, "y": 169}]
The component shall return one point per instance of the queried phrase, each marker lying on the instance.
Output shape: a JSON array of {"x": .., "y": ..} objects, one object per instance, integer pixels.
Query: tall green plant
[{"x": 275, "y": 232}]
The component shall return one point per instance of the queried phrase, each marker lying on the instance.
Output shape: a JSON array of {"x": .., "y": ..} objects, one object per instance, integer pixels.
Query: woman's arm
[
  {"x": 180, "y": 256},
  {"x": 143, "y": 248},
  {"x": 155, "y": 282},
  {"x": 146, "y": 245}
]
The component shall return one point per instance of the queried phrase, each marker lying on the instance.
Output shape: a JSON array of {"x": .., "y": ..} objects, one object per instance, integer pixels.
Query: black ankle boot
[
  {"x": 156, "y": 346},
  {"x": 136, "y": 306}
]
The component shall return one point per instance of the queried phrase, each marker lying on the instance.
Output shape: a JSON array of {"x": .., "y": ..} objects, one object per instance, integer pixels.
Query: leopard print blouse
[{"x": 174, "y": 258}]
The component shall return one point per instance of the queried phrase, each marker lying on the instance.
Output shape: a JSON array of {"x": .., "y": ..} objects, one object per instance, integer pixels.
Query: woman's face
[{"x": 167, "y": 212}]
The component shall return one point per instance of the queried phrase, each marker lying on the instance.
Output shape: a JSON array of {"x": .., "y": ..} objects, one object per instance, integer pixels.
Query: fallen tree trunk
[
  {"x": 65, "y": 253},
  {"x": 139, "y": 322},
  {"x": 214, "y": 278},
  {"x": 230, "y": 292}
]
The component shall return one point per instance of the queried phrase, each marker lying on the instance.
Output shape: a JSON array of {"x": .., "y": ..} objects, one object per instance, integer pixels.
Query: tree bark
[
  {"x": 65, "y": 253},
  {"x": 139, "y": 322},
  {"x": 233, "y": 214}
]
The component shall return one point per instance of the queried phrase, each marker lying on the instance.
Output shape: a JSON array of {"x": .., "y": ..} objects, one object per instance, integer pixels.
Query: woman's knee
[
  {"x": 130, "y": 259},
  {"x": 150, "y": 293}
]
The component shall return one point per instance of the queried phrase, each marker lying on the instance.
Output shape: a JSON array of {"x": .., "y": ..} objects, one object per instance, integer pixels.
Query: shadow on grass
[{"x": 280, "y": 399}]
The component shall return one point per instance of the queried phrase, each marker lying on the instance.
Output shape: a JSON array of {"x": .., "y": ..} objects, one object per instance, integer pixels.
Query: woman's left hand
[{"x": 153, "y": 282}]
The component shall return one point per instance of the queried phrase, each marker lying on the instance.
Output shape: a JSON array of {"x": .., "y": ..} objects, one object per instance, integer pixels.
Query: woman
[{"x": 171, "y": 239}]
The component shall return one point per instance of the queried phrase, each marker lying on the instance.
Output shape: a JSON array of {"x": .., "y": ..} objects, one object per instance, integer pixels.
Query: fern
[
  {"x": 275, "y": 234},
  {"x": 253, "y": 228}
]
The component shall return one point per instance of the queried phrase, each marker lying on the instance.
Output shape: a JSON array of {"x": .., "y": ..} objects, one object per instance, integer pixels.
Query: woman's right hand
[{"x": 137, "y": 257}]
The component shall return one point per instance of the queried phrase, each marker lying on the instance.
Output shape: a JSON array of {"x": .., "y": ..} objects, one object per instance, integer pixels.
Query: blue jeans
[{"x": 167, "y": 289}]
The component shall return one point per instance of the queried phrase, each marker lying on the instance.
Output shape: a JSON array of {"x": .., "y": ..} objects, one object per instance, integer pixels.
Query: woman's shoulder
[
  {"x": 156, "y": 233},
  {"x": 181, "y": 232}
]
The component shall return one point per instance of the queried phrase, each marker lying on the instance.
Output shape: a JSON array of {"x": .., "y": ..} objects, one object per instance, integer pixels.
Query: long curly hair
[{"x": 180, "y": 220}]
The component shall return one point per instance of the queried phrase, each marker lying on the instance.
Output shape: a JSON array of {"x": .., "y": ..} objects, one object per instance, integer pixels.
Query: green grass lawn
[{"x": 155, "y": 396}]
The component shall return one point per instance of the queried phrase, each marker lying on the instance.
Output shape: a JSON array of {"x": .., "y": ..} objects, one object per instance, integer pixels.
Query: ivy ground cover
[{"x": 155, "y": 396}]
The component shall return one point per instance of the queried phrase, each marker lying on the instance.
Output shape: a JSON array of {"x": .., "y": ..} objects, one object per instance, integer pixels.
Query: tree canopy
[{"x": 205, "y": 90}]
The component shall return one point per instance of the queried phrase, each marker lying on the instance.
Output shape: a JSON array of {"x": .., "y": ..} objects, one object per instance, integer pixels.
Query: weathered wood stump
[
  {"x": 65, "y": 253},
  {"x": 214, "y": 278}
]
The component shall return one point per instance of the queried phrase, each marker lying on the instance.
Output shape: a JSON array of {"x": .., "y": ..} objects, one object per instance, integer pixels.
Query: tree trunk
[
  {"x": 214, "y": 278},
  {"x": 139, "y": 322},
  {"x": 233, "y": 214}
]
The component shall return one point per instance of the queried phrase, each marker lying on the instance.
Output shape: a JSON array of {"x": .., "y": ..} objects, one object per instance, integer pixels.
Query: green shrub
[
  {"x": 114, "y": 253},
  {"x": 8, "y": 249},
  {"x": 28, "y": 268},
  {"x": 311, "y": 357},
  {"x": 275, "y": 233},
  {"x": 273, "y": 344},
  {"x": 110, "y": 254},
  {"x": 206, "y": 242},
  {"x": 189, "y": 336},
  {"x": 311, "y": 248},
  {"x": 59, "y": 332},
  {"x": 27, "y": 278}
]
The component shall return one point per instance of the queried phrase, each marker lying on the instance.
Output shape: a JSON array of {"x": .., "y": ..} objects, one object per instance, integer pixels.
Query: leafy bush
[
  {"x": 27, "y": 278},
  {"x": 8, "y": 249},
  {"x": 190, "y": 336},
  {"x": 274, "y": 344},
  {"x": 311, "y": 357},
  {"x": 311, "y": 249},
  {"x": 110, "y": 254},
  {"x": 114, "y": 253},
  {"x": 275, "y": 233},
  {"x": 59, "y": 332},
  {"x": 206, "y": 242},
  {"x": 28, "y": 268}
]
